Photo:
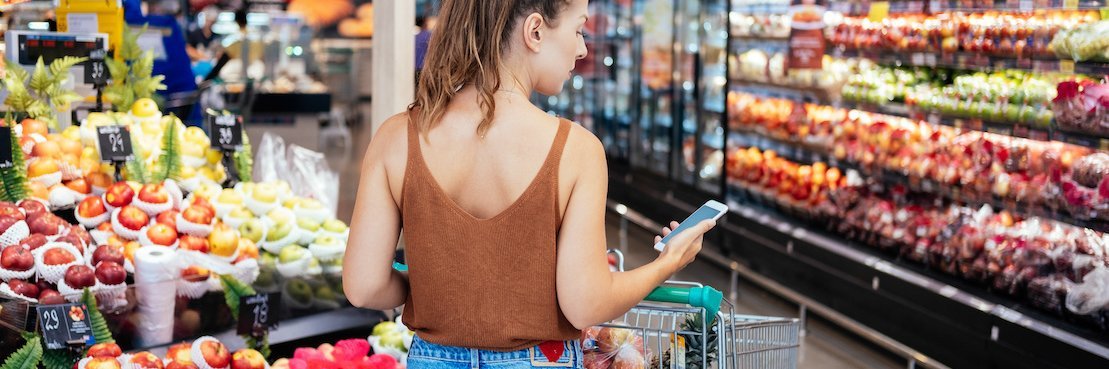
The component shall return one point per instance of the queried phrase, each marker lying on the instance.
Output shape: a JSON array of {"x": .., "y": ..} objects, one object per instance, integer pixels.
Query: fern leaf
[
  {"x": 233, "y": 290},
  {"x": 170, "y": 158},
  {"x": 40, "y": 81},
  {"x": 129, "y": 49},
  {"x": 144, "y": 66},
  {"x": 261, "y": 344},
  {"x": 27, "y": 357},
  {"x": 244, "y": 161},
  {"x": 14, "y": 178},
  {"x": 14, "y": 71},
  {"x": 59, "y": 359},
  {"x": 99, "y": 326},
  {"x": 118, "y": 70},
  {"x": 18, "y": 97},
  {"x": 61, "y": 66}
]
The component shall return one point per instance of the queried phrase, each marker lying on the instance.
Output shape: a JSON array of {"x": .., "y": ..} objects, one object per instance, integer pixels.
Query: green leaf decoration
[
  {"x": 99, "y": 326},
  {"x": 144, "y": 66},
  {"x": 60, "y": 66},
  {"x": 14, "y": 178},
  {"x": 14, "y": 71},
  {"x": 117, "y": 68},
  {"x": 262, "y": 345},
  {"x": 170, "y": 158},
  {"x": 233, "y": 290},
  {"x": 18, "y": 97},
  {"x": 244, "y": 161},
  {"x": 59, "y": 359},
  {"x": 27, "y": 357},
  {"x": 40, "y": 81}
]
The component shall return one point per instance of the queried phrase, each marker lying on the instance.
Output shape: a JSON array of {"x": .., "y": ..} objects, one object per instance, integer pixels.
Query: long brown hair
[{"x": 466, "y": 48}]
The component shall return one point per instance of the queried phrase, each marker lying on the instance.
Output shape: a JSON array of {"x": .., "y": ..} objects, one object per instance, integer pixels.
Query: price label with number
[
  {"x": 96, "y": 70},
  {"x": 64, "y": 325},
  {"x": 258, "y": 313},
  {"x": 226, "y": 131},
  {"x": 6, "y": 148},
  {"x": 115, "y": 143}
]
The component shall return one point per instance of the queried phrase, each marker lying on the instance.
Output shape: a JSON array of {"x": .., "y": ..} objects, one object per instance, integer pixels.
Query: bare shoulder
[
  {"x": 389, "y": 144},
  {"x": 582, "y": 146}
]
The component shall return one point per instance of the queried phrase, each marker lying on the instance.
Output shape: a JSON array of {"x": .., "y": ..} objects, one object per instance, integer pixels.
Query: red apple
[
  {"x": 17, "y": 259},
  {"x": 108, "y": 253},
  {"x": 80, "y": 185},
  {"x": 105, "y": 227},
  {"x": 24, "y": 288},
  {"x": 198, "y": 214},
  {"x": 154, "y": 194},
  {"x": 195, "y": 274},
  {"x": 215, "y": 354},
  {"x": 46, "y": 224},
  {"x": 32, "y": 207},
  {"x": 110, "y": 272},
  {"x": 44, "y": 285},
  {"x": 91, "y": 206},
  {"x": 146, "y": 360},
  {"x": 181, "y": 352},
  {"x": 58, "y": 256},
  {"x": 7, "y": 222},
  {"x": 9, "y": 210},
  {"x": 105, "y": 350},
  {"x": 161, "y": 234},
  {"x": 33, "y": 241},
  {"x": 194, "y": 243},
  {"x": 104, "y": 362},
  {"x": 81, "y": 233},
  {"x": 132, "y": 218},
  {"x": 80, "y": 276},
  {"x": 119, "y": 195},
  {"x": 203, "y": 203},
  {"x": 247, "y": 359},
  {"x": 74, "y": 240},
  {"x": 177, "y": 364},
  {"x": 50, "y": 297},
  {"x": 168, "y": 217}
]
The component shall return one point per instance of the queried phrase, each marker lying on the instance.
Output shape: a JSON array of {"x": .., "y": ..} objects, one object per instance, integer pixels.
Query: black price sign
[
  {"x": 6, "y": 148},
  {"x": 258, "y": 313},
  {"x": 114, "y": 142},
  {"x": 64, "y": 325},
  {"x": 96, "y": 70},
  {"x": 226, "y": 131}
]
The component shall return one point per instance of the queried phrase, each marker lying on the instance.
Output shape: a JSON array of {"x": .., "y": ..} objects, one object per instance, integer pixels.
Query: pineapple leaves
[{"x": 27, "y": 357}]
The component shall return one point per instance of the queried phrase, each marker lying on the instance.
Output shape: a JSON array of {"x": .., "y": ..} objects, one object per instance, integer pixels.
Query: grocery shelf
[
  {"x": 938, "y": 6},
  {"x": 972, "y": 61},
  {"x": 808, "y": 154},
  {"x": 796, "y": 93}
]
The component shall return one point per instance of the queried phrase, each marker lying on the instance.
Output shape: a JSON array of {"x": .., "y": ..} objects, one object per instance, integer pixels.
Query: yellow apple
[
  {"x": 223, "y": 240},
  {"x": 145, "y": 108},
  {"x": 265, "y": 192}
]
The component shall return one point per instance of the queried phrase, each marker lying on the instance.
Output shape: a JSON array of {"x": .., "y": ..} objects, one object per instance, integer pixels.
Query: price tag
[
  {"x": 1103, "y": 144},
  {"x": 930, "y": 59},
  {"x": 879, "y": 10},
  {"x": 64, "y": 325},
  {"x": 6, "y": 148},
  {"x": 96, "y": 70},
  {"x": 1070, "y": 4},
  {"x": 226, "y": 131},
  {"x": 918, "y": 59},
  {"x": 114, "y": 142},
  {"x": 935, "y": 6},
  {"x": 258, "y": 313},
  {"x": 1066, "y": 66},
  {"x": 1026, "y": 5}
]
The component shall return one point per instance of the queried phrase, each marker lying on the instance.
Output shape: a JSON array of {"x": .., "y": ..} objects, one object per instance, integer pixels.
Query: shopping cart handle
[
  {"x": 703, "y": 297},
  {"x": 400, "y": 267}
]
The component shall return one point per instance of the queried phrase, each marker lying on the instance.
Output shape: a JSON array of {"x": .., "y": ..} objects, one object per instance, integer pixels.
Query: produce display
[
  {"x": 393, "y": 339},
  {"x": 1082, "y": 106},
  {"x": 757, "y": 66}
]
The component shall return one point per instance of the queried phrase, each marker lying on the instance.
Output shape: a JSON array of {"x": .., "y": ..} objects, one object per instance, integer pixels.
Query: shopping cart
[{"x": 741, "y": 341}]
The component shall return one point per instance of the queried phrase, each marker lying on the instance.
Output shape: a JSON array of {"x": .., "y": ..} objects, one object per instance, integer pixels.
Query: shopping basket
[{"x": 741, "y": 341}]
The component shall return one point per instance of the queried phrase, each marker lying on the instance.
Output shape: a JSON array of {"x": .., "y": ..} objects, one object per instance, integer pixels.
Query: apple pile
[
  {"x": 349, "y": 353},
  {"x": 60, "y": 169}
]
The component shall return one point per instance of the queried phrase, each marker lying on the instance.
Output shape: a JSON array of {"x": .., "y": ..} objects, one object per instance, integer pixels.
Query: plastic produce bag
[
  {"x": 1091, "y": 295},
  {"x": 613, "y": 348},
  {"x": 270, "y": 158},
  {"x": 312, "y": 177}
]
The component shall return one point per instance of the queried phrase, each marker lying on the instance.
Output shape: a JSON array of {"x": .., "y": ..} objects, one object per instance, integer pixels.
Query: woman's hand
[{"x": 684, "y": 247}]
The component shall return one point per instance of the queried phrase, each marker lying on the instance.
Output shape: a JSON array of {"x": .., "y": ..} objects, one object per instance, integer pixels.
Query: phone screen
[{"x": 702, "y": 214}]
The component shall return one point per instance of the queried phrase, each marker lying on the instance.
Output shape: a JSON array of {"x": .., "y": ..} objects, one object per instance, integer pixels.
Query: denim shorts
[{"x": 427, "y": 355}]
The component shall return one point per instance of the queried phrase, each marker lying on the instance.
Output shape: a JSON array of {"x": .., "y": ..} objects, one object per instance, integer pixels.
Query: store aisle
[{"x": 825, "y": 347}]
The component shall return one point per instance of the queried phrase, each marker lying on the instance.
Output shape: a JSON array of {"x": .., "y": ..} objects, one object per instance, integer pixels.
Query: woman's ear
[{"x": 533, "y": 27}]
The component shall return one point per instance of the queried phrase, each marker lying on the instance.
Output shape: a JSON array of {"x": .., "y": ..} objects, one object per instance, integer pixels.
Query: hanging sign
[{"x": 806, "y": 37}]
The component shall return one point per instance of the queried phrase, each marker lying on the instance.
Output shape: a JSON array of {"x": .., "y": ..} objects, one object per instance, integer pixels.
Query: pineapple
[{"x": 694, "y": 351}]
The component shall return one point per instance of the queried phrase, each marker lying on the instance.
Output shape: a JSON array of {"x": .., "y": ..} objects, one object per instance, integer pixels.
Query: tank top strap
[{"x": 559, "y": 144}]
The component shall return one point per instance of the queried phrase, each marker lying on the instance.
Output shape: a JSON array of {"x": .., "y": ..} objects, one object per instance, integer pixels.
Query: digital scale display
[{"x": 50, "y": 47}]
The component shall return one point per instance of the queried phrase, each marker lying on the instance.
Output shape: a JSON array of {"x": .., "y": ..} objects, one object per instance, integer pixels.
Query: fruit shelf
[
  {"x": 972, "y": 61},
  {"x": 808, "y": 154},
  {"x": 936, "y": 6}
]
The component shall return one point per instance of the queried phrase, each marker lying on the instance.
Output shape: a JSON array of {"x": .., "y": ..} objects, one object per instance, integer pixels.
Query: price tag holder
[
  {"x": 226, "y": 131},
  {"x": 64, "y": 325},
  {"x": 96, "y": 70},
  {"x": 114, "y": 143},
  {"x": 258, "y": 313},
  {"x": 6, "y": 148}
]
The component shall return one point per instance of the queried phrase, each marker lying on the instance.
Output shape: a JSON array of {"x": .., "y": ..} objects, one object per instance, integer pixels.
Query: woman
[{"x": 502, "y": 206}]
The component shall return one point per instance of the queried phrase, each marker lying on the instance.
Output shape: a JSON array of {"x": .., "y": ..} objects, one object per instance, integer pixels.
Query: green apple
[
  {"x": 266, "y": 260},
  {"x": 265, "y": 276},
  {"x": 334, "y": 226},
  {"x": 291, "y": 253},
  {"x": 311, "y": 204},
  {"x": 281, "y": 216},
  {"x": 393, "y": 339},
  {"x": 253, "y": 229},
  {"x": 299, "y": 290},
  {"x": 325, "y": 292},
  {"x": 241, "y": 212},
  {"x": 313, "y": 263},
  {"x": 279, "y": 232},
  {"x": 335, "y": 263},
  {"x": 292, "y": 202},
  {"x": 308, "y": 224},
  {"x": 282, "y": 187},
  {"x": 229, "y": 196},
  {"x": 328, "y": 240},
  {"x": 264, "y": 193},
  {"x": 384, "y": 327}
]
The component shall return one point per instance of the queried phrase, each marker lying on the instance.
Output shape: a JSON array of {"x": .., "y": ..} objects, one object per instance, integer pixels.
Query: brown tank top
[{"x": 483, "y": 283}]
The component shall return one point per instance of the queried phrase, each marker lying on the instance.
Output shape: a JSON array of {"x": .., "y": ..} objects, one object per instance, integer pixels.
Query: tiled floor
[{"x": 824, "y": 347}]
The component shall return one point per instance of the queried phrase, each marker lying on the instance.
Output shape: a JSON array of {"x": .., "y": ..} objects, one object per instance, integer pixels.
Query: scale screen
[{"x": 51, "y": 47}]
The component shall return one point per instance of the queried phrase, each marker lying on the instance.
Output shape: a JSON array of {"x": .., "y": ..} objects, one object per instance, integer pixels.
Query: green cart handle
[
  {"x": 400, "y": 267},
  {"x": 706, "y": 297}
]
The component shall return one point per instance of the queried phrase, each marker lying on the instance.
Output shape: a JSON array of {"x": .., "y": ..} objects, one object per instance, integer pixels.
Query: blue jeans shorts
[{"x": 427, "y": 355}]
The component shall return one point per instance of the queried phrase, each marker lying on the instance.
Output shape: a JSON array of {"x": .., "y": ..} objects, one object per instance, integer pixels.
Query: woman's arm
[
  {"x": 369, "y": 280},
  {"x": 588, "y": 293}
]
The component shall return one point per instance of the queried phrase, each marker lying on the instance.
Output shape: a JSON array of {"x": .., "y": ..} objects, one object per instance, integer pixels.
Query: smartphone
[{"x": 710, "y": 210}]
